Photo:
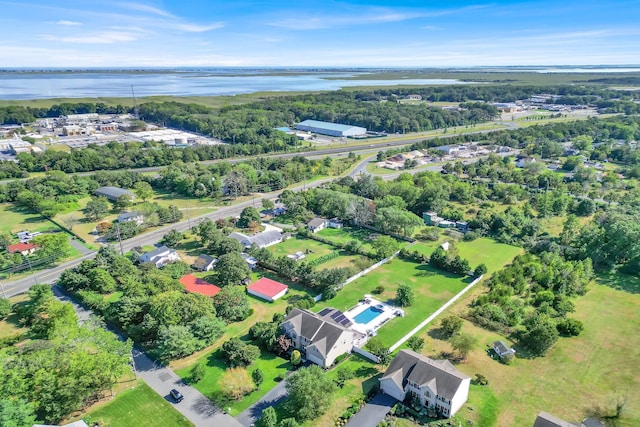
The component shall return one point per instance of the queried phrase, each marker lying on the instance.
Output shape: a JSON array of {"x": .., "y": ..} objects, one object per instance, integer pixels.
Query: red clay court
[{"x": 193, "y": 284}]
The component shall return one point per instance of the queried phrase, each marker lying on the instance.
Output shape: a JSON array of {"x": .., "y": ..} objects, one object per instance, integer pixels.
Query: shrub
[
  {"x": 378, "y": 290},
  {"x": 570, "y": 327},
  {"x": 279, "y": 377},
  {"x": 480, "y": 380},
  {"x": 197, "y": 372}
]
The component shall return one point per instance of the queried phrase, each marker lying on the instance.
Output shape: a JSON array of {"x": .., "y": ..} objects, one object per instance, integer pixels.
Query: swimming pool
[{"x": 367, "y": 316}]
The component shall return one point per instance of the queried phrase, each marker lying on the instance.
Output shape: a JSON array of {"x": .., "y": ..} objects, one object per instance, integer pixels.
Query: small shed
[
  {"x": 267, "y": 289},
  {"x": 503, "y": 350}
]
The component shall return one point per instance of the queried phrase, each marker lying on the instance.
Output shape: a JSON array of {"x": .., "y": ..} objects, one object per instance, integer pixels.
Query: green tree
[
  {"x": 570, "y": 327},
  {"x": 248, "y": 215},
  {"x": 258, "y": 377},
  {"x": 310, "y": 393},
  {"x": 385, "y": 246},
  {"x": 541, "y": 334},
  {"x": 207, "y": 328},
  {"x": 16, "y": 413},
  {"x": 290, "y": 422},
  {"x": 405, "y": 296},
  {"x": 122, "y": 202},
  {"x": 343, "y": 374},
  {"x": 143, "y": 190},
  {"x": 231, "y": 269},
  {"x": 267, "y": 204},
  {"x": 463, "y": 343},
  {"x": 232, "y": 304},
  {"x": 480, "y": 270},
  {"x": 197, "y": 372},
  {"x": 239, "y": 353},
  {"x": 176, "y": 341},
  {"x": 296, "y": 358},
  {"x": 172, "y": 238},
  {"x": 54, "y": 245},
  {"x": 5, "y": 308},
  {"x": 451, "y": 325},
  {"x": 269, "y": 417},
  {"x": 415, "y": 343},
  {"x": 96, "y": 208}
]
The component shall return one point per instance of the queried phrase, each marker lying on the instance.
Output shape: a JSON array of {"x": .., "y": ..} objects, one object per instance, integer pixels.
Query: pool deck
[{"x": 387, "y": 313}]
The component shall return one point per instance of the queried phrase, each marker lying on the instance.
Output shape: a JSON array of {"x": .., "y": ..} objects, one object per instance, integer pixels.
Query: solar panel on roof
[
  {"x": 324, "y": 311},
  {"x": 336, "y": 315},
  {"x": 346, "y": 322}
]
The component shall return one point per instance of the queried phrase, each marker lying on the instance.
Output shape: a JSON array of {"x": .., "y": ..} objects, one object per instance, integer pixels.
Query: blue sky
[{"x": 400, "y": 33}]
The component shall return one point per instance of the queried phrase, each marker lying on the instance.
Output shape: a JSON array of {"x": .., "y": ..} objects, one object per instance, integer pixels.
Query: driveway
[
  {"x": 195, "y": 406},
  {"x": 373, "y": 412},
  {"x": 272, "y": 398}
]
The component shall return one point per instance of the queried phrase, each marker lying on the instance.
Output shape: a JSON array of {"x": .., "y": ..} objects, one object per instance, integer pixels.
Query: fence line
[
  {"x": 365, "y": 353},
  {"x": 434, "y": 315}
]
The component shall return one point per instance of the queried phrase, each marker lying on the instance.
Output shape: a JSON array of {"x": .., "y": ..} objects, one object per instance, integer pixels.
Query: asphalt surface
[
  {"x": 195, "y": 406},
  {"x": 272, "y": 398},
  {"x": 373, "y": 412}
]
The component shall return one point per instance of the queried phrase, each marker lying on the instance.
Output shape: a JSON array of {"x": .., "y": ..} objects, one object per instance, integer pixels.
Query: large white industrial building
[{"x": 331, "y": 129}]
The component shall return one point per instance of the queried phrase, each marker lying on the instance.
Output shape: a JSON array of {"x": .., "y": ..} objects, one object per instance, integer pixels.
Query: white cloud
[
  {"x": 140, "y": 7},
  {"x": 104, "y": 37},
  {"x": 69, "y": 23},
  {"x": 193, "y": 28}
]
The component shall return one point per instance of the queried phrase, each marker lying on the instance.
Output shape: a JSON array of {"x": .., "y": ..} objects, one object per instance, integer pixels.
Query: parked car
[{"x": 176, "y": 395}]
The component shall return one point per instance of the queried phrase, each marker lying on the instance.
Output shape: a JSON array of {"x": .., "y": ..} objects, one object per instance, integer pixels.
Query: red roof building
[
  {"x": 199, "y": 286},
  {"x": 24, "y": 248},
  {"x": 267, "y": 289}
]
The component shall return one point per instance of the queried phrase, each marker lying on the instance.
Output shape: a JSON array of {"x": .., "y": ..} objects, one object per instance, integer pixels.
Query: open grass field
[
  {"x": 346, "y": 234},
  {"x": 576, "y": 375},
  {"x": 432, "y": 288},
  {"x": 483, "y": 250},
  {"x": 298, "y": 244},
  {"x": 15, "y": 218},
  {"x": 141, "y": 407}
]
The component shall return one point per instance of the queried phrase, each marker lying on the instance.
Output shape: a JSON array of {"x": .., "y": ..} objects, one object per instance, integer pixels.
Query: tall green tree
[
  {"x": 231, "y": 269},
  {"x": 96, "y": 208},
  {"x": 232, "y": 304},
  {"x": 309, "y": 392},
  {"x": 143, "y": 190}
]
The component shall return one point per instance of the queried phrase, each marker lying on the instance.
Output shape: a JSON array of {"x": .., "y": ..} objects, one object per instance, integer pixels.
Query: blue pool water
[{"x": 367, "y": 316}]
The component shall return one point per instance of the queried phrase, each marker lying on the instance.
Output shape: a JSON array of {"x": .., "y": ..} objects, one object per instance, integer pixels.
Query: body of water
[{"x": 118, "y": 84}]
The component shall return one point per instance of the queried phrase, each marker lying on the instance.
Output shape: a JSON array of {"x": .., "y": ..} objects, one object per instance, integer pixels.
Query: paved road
[
  {"x": 195, "y": 406},
  {"x": 373, "y": 412},
  {"x": 272, "y": 398}
]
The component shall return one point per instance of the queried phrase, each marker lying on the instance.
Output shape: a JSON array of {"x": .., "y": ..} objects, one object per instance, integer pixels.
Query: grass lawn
[
  {"x": 298, "y": 244},
  {"x": 15, "y": 218},
  {"x": 140, "y": 406},
  {"x": 577, "y": 373},
  {"x": 270, "y": 365},
  {"x": 347, "y": 234},
  {"x": 432, "y": 288},
  {"x": 9, "y": 325}
]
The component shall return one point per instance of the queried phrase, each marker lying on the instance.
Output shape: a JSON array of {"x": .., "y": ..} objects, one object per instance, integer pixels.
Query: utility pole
[
  {"x": 35, "y": 279},
  {"x": 4, "y": 293},
  {"x": 119, "y": 238},
  {"x": 186, "y": 203}
]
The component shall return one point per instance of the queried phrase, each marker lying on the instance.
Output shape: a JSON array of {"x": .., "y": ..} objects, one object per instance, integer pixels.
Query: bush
[
  {"x": 570, "y": 327},
  {"x": 279, "y": 377},
  {"x": 197, "y": 372},
  {"x": 480, "y": 380},
  {"x": 378, "y": 290},
  {"x": 470, "y": 236},
  {"x": 5, "y": 308}
]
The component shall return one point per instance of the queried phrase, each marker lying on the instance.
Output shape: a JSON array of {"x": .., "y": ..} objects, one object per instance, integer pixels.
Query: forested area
[{"x": 62, "y": 366}]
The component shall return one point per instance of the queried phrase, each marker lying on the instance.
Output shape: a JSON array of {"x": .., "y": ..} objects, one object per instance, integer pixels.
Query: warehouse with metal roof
[
  {"x": 112, "y": 193},
  {"x": 331, "y": 129}
]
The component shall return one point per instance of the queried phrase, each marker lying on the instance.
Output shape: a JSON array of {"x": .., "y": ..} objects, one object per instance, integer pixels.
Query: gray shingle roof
[
  {"x": 112, "y": 192},
  {"x": 321, "y": 332},
  {"x": 440, "y": 375},
  {"x": 316, "y": 222},
  {"x": 545, "y": 419},
  {"x": 203, "y": 260},
  {"x": 128, "y": 215}
]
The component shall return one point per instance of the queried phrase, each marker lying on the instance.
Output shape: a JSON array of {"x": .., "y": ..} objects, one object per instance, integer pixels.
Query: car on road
[{"x": 176, "y": 395}]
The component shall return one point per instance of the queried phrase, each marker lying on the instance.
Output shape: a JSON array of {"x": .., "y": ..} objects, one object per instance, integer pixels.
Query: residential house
[
  {"x": 112, "y": 193},
  {"x": 251, "y": 261},
  {"x": 431, "y": 218},
  {"x": 261, "y": 240},
  {"x": 204, "y": 262},
  {"x": 79, "y": 423},
  {"x": 522, "y": 161},
  {"x": 320, "y": 337},
  {"x": 132, "y": 216},
  {"x": 335, "y": 223},
  {"x": 298, "y": 256},
  {"x": 503, "y": 350},
  {"x": 160, "y": 256},
  {"x": 545, "y": 419},
  {"x": 316, "y": 224},
  {"x": 25, "y": 236},
  {"x": 437, "y": 384},
  {"x": 267, "y": 289},
  {"x": 462, "y": 226},
  {"x": 23, "y": 248}
]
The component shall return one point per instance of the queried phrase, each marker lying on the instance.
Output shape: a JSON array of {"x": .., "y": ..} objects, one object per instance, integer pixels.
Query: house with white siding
[{"x": 437, "y": 384}]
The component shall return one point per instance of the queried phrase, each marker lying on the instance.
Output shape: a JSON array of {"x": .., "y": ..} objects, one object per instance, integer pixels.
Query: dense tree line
[
  {"x": 532, "y": 297},
  {"x": 62, "y": 368},
  {"x": 154, "y": 309}
]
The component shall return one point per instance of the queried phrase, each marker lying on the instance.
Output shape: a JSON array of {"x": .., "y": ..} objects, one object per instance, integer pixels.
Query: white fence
[
  {"x": 434, "y": 315},
  {"x": 365, "y": 354}
]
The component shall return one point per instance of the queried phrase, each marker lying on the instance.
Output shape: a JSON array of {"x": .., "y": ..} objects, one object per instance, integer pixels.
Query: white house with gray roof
[
  {"x": 436, "y": 383},
  {"x": 320, "y": 337},
  {"x": 132, "y": 216},
  {"x": 160, "y": 256},
  {"x": 261, "y": 240}
]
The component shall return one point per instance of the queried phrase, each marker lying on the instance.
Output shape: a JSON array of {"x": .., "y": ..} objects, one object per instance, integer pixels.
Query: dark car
[{"x": 176, "y": 395}]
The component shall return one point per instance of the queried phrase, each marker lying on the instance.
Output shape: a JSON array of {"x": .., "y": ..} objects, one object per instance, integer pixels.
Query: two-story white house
[
  {"x": 160, "y": 256},
  {"x": 436, "y": 383},
  {"x": 320, "y": 337},
  {"x": 132, "y": 216}
]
